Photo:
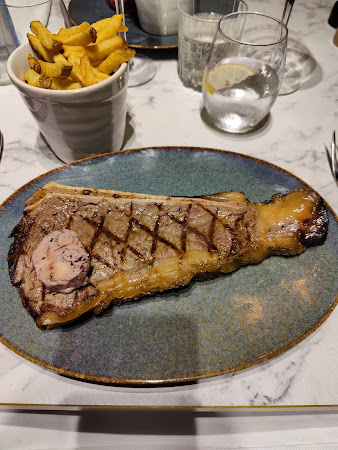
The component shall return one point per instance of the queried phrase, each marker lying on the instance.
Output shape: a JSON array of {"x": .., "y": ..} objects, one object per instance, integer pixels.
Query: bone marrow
[{"x": 126, "y": 245}]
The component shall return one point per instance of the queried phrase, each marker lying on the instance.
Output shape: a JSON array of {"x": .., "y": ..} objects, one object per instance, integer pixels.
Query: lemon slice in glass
[{"x": 225, "y": 75}]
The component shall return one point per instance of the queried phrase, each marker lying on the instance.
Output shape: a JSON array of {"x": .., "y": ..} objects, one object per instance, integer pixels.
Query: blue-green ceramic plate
[
  {"x": 94, "y": 10},
  {"x": 209, "y": 328}
]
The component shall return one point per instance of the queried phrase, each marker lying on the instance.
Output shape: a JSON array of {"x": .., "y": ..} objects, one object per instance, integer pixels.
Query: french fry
[
  {"x": 87, "y": 71},
  {"x": 56, "y": 69},
  {"x": 67, "y": 32},
  {"x": 109, "y": 28},
  {"x": 78, "y": 50},
  {"x": 37, "y": 80},
  {"x": 116, "y": 19},
  {"x": 115, "y": 59},
  {"x": 100, "y": 23},
  {"x": 105, "y": 48},
  {"x": 82, "y": 38},
  {"x": 123, "y": 28},
  {"x": 100, "y": 76},
  {"x": 96, "y": 63},
  {"x": 64, "y": 84},
  {"x": 98, "y": 51},
  {"x": 42, "y": 51},
  {"x": 76, "y": 74},
  {"x": 58, "y": 57},
  {"x": 34, "y": 63},
  {"x": 45, "y": 36},
  {"x": 76, "y": 57}
]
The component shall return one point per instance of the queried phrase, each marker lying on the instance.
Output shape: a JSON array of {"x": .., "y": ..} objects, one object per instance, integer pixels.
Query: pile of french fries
[{"x": 76, "y": 57}]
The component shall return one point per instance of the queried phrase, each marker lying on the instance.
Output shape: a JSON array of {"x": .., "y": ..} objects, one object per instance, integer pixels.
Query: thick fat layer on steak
[{"x": 141, "y": 244}]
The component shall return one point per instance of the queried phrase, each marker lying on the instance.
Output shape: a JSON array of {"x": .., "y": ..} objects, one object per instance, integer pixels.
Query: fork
[
  {"x": 119, "y": 7},
  {"x": 1, "y": 145},
  {"x": 65, "y": 14},
  {"x": 287, "y": 11},
  {"x": 333, "y": 157}
]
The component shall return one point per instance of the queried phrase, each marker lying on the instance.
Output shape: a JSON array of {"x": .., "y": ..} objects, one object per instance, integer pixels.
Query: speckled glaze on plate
[
  {"x": 206, "y": 329},
  {"x": 94, "y": 10}
]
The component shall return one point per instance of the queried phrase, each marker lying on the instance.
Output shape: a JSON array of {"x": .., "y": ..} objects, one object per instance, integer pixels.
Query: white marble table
[{"x": 164, "y": 113}]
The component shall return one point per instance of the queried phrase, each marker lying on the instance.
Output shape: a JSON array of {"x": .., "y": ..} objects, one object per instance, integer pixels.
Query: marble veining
[{"x": 164, "y": 113}]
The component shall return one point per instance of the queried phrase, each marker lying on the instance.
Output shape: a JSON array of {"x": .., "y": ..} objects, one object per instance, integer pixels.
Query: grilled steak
[{"x": 141, "y": 244}]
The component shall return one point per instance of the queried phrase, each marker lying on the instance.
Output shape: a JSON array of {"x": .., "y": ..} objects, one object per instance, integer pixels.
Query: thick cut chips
[{"x": 76, "y": 57}]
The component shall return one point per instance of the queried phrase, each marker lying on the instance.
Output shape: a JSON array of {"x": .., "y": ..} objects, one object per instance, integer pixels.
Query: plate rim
[
  {"x": 166, "y": 381},
  {"x": 161, "y": 148}
]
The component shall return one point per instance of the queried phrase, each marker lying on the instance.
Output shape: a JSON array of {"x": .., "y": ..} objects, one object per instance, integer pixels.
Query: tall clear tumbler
[
  {"x": 244, "y": 70},
  {"x": 197, "y": 25}
]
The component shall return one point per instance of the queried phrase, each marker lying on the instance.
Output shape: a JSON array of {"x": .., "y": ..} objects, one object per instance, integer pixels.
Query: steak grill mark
[{"x": 101, "y": 228}]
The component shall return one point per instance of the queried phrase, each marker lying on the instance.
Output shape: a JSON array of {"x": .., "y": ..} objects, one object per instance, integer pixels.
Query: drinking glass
[
  {"x": 15, "y": 17},
  {"x": 244, "y": 70},
  {"x": 197, "y": 24}
]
